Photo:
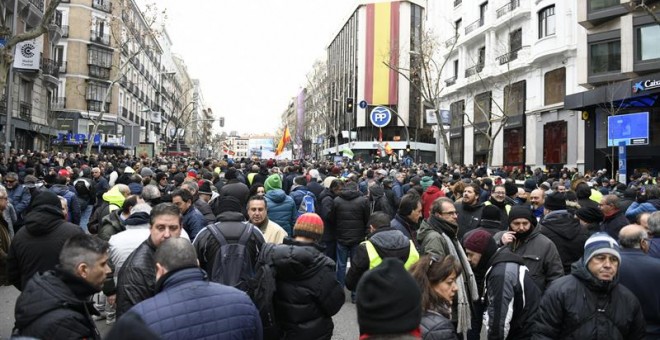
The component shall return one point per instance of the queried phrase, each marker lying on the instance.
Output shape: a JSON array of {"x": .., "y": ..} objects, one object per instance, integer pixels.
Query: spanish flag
[{"x": 286, "y": 138}]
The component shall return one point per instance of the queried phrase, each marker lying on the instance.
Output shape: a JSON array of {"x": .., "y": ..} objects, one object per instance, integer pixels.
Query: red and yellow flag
[
  {"x": 382, "y": 46},
  {"x": 286, "y": 138}
]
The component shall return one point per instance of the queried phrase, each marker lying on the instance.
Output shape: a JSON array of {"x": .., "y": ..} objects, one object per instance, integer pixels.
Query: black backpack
[
  {"x": 232, "y": 264},
  {"x": 262, "y": 290}
]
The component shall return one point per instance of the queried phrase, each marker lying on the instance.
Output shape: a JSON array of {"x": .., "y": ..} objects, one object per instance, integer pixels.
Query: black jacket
[
  {"x": 136, "y": 280},
  {"x": 613, "y": 224},
  {"x": 231, "y": 224},
  {"x": 307, "y": 295},
  {"x": 237, "y": 190},
  {"x": 435, "y": 326},
  {"x": 388, "y": 242},
  {"x": 512, "y": 297},
  {"x": 36, "y": 247},
  {"x": 326, "y": 205},
  {"x": 579, "y": 306},
  {"x": 56, "y": 305},
  {"x": 206, "y": 211},
  {"x": 640, "y": 272},
  {"x": 468, "y": 217},
  {"x": 351, "y": 216},
  {"x": 564, "y": 230}
]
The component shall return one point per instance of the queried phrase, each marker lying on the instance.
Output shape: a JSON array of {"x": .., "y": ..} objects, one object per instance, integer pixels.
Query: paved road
[{"x": 346, "y": 327}]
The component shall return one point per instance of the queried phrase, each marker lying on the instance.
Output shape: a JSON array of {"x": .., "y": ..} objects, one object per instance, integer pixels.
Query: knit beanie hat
[
  {"x": 555, "y": 201},
  {"x": 522, "y": 212},
  {"x": 478, "y": 240},
  {"x": 205, "y": 188},
  {"x": 600, "y": 243},
  {"x": 426, "y": 182},
  {"x": 530, "y": 185},
  {"x": 511, "y": 188},
  {"x": 590, "y": 214},
  {"x": 309, "y": 225},
  {"x": 144, "y": 172},
  {"x": 273, "y": 181},
  {"x": 231, "y": 174},
  {"x": 491, "y": 213},
  {"x": 389, "y": 300}
]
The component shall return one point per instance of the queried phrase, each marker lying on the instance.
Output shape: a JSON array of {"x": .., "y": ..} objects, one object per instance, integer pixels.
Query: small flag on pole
[
  {"x": 286, "y": 138},
  {"x": 348, "y": 153}
]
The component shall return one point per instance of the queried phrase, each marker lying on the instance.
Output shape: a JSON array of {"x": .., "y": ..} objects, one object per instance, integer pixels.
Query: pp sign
[{"x": 380, "y": 116}]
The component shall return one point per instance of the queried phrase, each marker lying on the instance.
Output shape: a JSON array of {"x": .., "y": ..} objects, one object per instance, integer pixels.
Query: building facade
[
  {"x": 509, "y": 65},
  {"x": 619, "y": 65}
]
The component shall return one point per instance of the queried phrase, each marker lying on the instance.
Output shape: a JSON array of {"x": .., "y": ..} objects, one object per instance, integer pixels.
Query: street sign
[
  {"x": 363, "y": 104},
  {"x": 380, "y": 116},
  {"x": 622, "y": 162}
]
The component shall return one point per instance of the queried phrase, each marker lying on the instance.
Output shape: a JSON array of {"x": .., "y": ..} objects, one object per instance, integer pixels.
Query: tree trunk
[{"x": 443, "y": 134}]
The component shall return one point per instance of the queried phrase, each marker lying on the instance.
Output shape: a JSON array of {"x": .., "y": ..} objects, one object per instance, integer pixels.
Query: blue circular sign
[
  {"x": 363, "y": 104},
  {"x": 380, "y": 116}
]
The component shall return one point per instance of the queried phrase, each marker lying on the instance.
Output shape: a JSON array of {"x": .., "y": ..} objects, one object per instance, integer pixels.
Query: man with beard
[
  {"x": 498, "y": 198},
  {"x": 469, "y": 209},
  {"x": 536, "y": 198}
]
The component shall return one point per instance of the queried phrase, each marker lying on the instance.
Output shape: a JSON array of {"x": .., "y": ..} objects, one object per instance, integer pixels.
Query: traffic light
[
  {"x": 222, "y": 121},
  {"x": 349, "y": 105}
]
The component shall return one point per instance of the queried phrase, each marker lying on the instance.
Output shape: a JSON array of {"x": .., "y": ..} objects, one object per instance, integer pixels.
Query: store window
[
  {"x": 482, "y": 108},
  {"x": 555, "y": 142},
  {"x": 514, "y": 141},
  {"x": 554, "y": 86}
]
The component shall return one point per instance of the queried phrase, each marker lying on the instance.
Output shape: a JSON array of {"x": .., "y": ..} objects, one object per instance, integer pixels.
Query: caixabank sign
[{"x": 645, "y": 85}]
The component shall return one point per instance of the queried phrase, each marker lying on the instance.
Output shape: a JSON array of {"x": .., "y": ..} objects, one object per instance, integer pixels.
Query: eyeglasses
[{"x": 10, "y": 181}]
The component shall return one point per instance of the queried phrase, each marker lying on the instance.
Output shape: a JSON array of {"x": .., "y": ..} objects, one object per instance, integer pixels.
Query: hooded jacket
[
  {"x": 512, "y": 297},
  {"x": 564, "y": 230},
  {"x": 307, "y": 294},
  {"x": 326, "y": 205},
  {"x": 468, "y": 217},
  {"x": 36, "y": 247},
  {"x": 430, "y": 195},
  {"x": 71, "y": 201},
  {"x": 110, "y": 225},
  {"x": 351, "y": 215},
  {"x": 581, "y": 307},
  {"x": 281, "y": 209},
  {"x": 56, "y": 305},
  {"x": 378, "y": 201}
]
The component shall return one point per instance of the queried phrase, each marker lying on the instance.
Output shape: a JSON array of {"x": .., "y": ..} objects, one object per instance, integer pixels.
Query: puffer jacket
[
  {"x": 435, "y": 326},
  {"x": 351, "y": 215},
  {"x": 540, "y": 256},
  {"x": 110, "y": 225},
  {"x": 136, "y": 280},
  {"x": 193, "y": 221},
  {"x": 36, "y": 246},
  {"x": 468, "y": 217},
  {"x": 188, "y": 306},
  {"x": 281, "y": 209},
  {"x": 564, "y": 230},
  {"x": 407, "y": 227},
  {"x": 71, "y": 201},
  {"x": 431, "y": 194},
  {"x": 613, "y": 224},
  {"x": 236, "y": 189},
  {"x": 579, "y": 306},
  {"x": 56, "y": 305},
  {"x": 388, "y": 242},
  {"x": 307, "y": 295}
]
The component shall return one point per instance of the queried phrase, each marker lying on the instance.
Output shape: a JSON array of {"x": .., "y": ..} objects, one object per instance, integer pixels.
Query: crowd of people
[{"x": 178, "y": 248}]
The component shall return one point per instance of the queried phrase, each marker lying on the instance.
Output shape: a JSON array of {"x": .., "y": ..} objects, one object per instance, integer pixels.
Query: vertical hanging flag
[
  {"x": 382, "y": 47},
  {"x": 286, "y": 138}
]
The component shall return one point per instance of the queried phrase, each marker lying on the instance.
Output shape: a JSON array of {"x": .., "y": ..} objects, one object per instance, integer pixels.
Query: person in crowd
[
  {"x": 301, "y": 266},
  {"x": 510, "y": 297},
  {"x": 491, "y": 220},
  {"x": 432, "y": 192},
  {"x": 84, "y": 190},
  {"x": 314, "y": 184},
  {"x": 613, "y": 217},
  {"x": 383, "y": 241},
  {"x": 6, "y": 232},
  {"x": 136, "y": 280},
  {"x": 377, "y": 199},
  {"x": 590, "y": 303},
  {"x": 257, "y": 189},
  {"x": 498, "y": 198},
  {"x": 299, "y": 190},
  {"x": 257, "y": 210},
  {"x": 112, "y": 200},
  {"x": 61, "y": 188},
  {"x": 590, "y": 219},
  {"x": 281, "y": 207},
  {"x": 654, "y": 234},
  {"x": 647, "y": 200},
  {"x": 36, "y": 247},
  {"x": 19, "y": 196},
  {"x": 56, "y": 304},
  {"x": 537, "y": 199},
  {"x": 389, "y": 303},
  {"x": 151, "y": 195},
  {"x": 100, "y": 183},
  {"x": 583, "y": 193},
  {"x": 235, "y": 188},
  {"x": 538, "y": 252},
  {"x": 326, "y": 206},
  {"x": 351, "y": 216},
  {"x": 200, "y": 204},
  {"x": 469, "y": 209},
  {"x": 438, "y": 235},
  {"x": 114, "y": 222},
  {"x": 563, "y": 229},
  {"x": 639, "y": 273},
  {"x": 191, "y": 219},
  {"x": 188, "y": 306},
  {"x": 407, "y": 218}
]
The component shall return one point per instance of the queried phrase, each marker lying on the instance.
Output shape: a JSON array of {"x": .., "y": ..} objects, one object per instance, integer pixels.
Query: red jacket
[{"x": 430, "y": 195}]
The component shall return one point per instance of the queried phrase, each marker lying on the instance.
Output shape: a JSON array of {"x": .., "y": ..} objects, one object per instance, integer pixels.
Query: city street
[{"x": 345, "y": 321}]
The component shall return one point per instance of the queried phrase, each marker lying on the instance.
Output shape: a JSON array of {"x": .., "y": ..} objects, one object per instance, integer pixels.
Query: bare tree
[
  {"x": 649, "y": 6},
  {"x": 131, "y": 39},
  {"x": 318, "y": 92}
]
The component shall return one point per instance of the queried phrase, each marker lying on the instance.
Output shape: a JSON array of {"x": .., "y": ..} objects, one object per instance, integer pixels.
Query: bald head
[
  {"x": 175, "y": 253},
  {"x": 632, "y": 236},
  {"x": 536, "y": 198}
]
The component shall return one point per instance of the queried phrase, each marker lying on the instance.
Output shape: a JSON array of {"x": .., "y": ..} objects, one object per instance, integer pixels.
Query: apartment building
[
  {"x": 509, "y": 65},
  {"x": 619, "y": 66}
]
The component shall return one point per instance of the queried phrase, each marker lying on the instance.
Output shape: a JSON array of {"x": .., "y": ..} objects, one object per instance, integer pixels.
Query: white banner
[
  {"x": 28, "y": 54},
  {"x": 155, "y": 117}
]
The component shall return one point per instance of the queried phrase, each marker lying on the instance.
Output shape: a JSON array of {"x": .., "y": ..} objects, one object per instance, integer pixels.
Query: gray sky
[{"x": 251, "y": 56}]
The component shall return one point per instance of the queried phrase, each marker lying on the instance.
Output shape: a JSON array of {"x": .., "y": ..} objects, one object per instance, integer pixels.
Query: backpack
[
  {"x": 307, "y": 204},
  {"x": 232, "y": 265},
  {"x": 262, "y": 290}
]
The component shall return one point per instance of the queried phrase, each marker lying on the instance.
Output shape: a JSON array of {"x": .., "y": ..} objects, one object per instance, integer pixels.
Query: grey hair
[
  {"x": 654, "y": 223},
  {"x": 632, "y": 240}
]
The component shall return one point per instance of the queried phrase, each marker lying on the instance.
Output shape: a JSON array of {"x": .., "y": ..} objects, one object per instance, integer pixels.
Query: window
[
  {"x": 555, "y": 86},
  {"x": 482, "y": 108},
  {"x": 605, "y": 57},
  {"x": 96, "y": 91},
  {"x": 547, "y": 22},
  {"x": 99, "y": 57},
  {"x": 458, "y": 23},
  {"x": 483, "y": 8},
  {"x": 515, "y": 40},
  {"x": 456, "y": 150},
  {"x": 555, "y": 143},
  {"x": 514, "y": 99},
  {"x": 647, "y": 42},
  {"x": 595, "y": 5},
  {"x": 514, "y": 140},
  {"x": 457, "y": 110},
  {"x": 455, "y": 69}
]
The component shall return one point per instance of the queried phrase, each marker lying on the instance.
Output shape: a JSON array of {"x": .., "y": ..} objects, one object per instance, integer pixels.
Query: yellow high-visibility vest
[{"x": 375, "y": 260}]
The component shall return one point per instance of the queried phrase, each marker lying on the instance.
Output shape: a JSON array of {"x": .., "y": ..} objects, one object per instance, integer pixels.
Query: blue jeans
[
  {"x": 84, "y": 217},
  {"x": 343, "y": 253}
]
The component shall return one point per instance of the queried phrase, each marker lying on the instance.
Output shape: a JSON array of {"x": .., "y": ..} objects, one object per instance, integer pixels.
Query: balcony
[
  {"x": 513, "y": 4},
  {"x": 450, "y": 42},
  {"x": 62, "y": 66},
  {"x": 102, "y": 5},
  {"x": 450, "y": 81},
  {"x": 457, "y": 2},
  {"x": 51, "y": 71},
  {"x": 507, "y": 57},
  {"x": 33, "y": 12},
  {"x": 473, "y": 26},
  {"x": 96, "y": 105},
  {"x": 474, "y": 70},
  {"x": 25, "y": 111},
  {"x": 99, "y": 72},
  {"x": 100, "y": 38},
  {"x": 58, "y": 103},
  {"x": 65, "y": 31},
  {"x": 55, "y": 28}
]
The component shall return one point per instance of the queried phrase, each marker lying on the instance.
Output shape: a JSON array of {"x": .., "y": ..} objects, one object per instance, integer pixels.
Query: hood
[
  {"x": 276, "y": 195},
  {"x": 376, "y": 192},
  {"x": 113, "y": 196},
  {"x": 229, "y": 216},
  {"x": 432, "y": 190},
  {"x": 349, "y": 194},
  {"x": 389, "y": 238},
  {"x": 137, "y": 218},
  {"x": 562, "y": 223},
  {"x": 580, "y": 271},
  {"x": 59, "y": 189},
  {"x": 472, "y": 207},
  {"x": 43, "y": 219},
  {"x": 505, "y": 254},
  {"x": 296, "y": 260}
]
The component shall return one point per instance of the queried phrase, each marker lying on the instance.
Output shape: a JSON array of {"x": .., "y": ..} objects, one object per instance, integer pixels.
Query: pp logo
[{"x": 380, "y": 116}]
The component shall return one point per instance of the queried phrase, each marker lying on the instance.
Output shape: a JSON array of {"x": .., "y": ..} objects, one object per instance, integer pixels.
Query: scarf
[{"x": 464, "y": 301}]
